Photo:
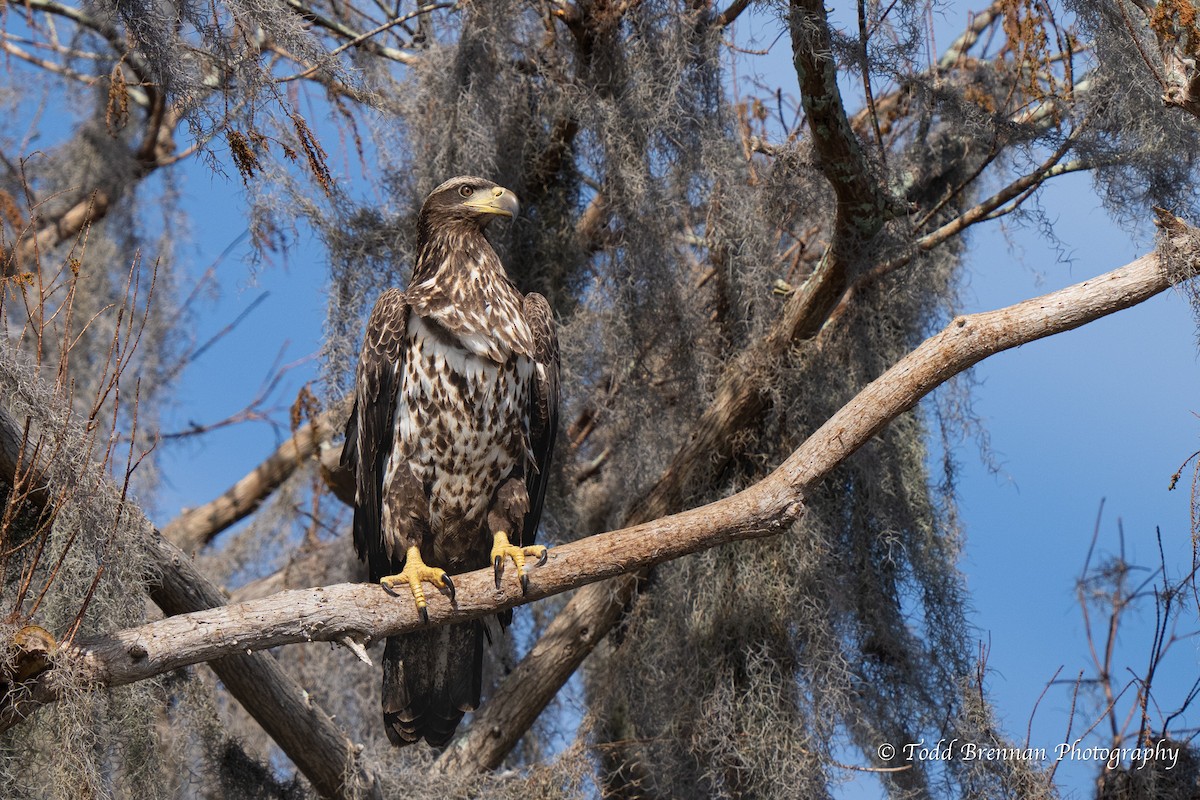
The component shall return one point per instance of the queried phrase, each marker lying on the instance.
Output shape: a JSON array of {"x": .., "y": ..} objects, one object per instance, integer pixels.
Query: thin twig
[{"x": 363, "y": 37}]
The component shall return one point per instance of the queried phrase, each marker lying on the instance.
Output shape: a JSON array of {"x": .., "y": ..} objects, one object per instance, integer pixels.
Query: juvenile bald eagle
[{"x": 455, "y": 414}]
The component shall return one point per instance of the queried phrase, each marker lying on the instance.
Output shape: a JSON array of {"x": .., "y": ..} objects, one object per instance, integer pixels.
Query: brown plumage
[{"x": 455, "y": 415}]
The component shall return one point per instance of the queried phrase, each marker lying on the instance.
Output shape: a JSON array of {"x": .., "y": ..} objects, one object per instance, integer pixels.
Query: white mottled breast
[
  {"x": 462, "y": 423},
  {"x": 479, "y": 307}
]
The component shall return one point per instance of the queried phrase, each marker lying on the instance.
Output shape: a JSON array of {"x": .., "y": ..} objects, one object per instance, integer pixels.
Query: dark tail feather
[{"x": 430, "y": 678}]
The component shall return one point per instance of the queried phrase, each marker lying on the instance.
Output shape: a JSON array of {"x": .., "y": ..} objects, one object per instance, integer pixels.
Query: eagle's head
[{"x": 466, "y": 199}]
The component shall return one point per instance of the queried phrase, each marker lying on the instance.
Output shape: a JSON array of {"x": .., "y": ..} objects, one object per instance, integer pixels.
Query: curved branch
[
  {"x": 862, "y": 203},
  {"x": 355, "y": 612},
  {"x": 593, "y": 610}
]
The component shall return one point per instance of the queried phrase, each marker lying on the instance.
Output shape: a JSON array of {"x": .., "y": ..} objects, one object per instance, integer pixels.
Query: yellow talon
[
  {"x": 414, "y": 573},
  {"x": 501, "y": 549}
]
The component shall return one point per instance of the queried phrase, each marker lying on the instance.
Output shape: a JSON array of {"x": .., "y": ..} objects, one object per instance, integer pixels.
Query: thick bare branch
[
  {"x": 360, "y": 611},
  {"x": 767, "y": 508},
  {"x": 862, "y": 204},
  {"x": 301, "y": 728},
  {"x": 594, "y": 609}
]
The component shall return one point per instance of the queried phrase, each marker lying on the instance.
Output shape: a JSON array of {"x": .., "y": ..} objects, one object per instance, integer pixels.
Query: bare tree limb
[
  {"x": 862, "y": 203},
  {"x": 731, "y": 13},
  {"x": 593, "y": 610},
  {"x": 197, "y": 527},
  {"x": 767, "y": 508}
]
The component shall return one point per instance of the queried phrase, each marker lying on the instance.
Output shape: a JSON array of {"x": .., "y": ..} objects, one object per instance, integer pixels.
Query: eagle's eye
[{"x": 467, "y": 191}]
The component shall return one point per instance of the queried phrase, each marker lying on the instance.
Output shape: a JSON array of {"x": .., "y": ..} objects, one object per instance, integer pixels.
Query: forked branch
[{"x": 767, "y": 508}]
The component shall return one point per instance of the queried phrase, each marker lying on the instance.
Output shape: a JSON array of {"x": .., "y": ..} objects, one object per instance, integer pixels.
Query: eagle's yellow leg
[
  {"x": 502, "y": 549},
  {"x": 416, "y": 572}
]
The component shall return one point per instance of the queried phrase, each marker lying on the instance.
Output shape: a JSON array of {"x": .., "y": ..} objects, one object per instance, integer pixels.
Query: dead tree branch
[
  {"x": 592, "y": 612},
  {"x": 284, "y": 709},
  {"x": 357, "y": 612},
  {"x": 197, "y": 527}
]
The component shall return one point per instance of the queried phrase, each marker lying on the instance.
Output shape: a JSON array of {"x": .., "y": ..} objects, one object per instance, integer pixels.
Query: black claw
[
  {"x": 450, "y": 586},
  {"x": 424, "y": 612},
  {"x": 388, "y": 589},
  {"x": 524, "y": 583},
  {"x": 545, "y": 556},
  {"x": 497, "y": 562}
]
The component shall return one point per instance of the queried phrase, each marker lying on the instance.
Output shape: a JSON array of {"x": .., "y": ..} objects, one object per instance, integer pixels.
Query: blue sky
[
  {"x": 1105, "y": 414},
  {"x": 1102, "y": 414}
]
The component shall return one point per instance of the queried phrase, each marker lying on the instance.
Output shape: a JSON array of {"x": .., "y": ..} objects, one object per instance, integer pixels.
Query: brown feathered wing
[{"x": 431, "y": 677}]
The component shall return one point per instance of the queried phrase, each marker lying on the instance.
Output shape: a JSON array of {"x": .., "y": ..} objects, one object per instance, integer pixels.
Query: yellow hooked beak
[{"x": 496, "y": 200}]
